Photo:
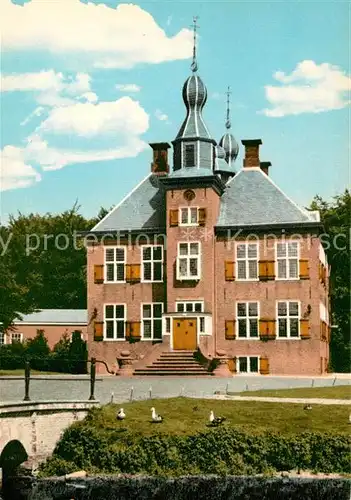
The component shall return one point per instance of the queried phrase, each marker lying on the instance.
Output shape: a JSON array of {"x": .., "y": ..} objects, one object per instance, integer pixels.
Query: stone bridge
[{"x": 39, "y": 425}]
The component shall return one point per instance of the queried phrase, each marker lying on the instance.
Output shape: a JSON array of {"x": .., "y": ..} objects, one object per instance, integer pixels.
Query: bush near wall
[
  {"x": 220, "y": 451},
  {"x": 66, "y": 357}
]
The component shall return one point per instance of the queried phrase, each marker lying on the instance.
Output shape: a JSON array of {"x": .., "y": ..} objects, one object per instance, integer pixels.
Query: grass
[
  {"x": 336, "y": 392},
  {"x": 183, "y": 416},
  {"x": 10, "y": 373}
]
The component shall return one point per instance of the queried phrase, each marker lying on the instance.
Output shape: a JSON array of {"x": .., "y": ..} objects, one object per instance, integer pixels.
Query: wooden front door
[{"x": 185, "y": 334}]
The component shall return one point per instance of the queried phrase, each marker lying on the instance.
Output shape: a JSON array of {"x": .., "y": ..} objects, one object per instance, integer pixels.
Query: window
[
  {"x": 247, "y": 261},
  {"x": 202, "y": 325},
  {"x": 152, "y": 257},
  {"x": 152, "y": 320},
  {"x": 188, "y": 306},
  {"x": 16, "y": 337},
  {"x": 189, "y": 216},
  {"x": 288, "y": 319},
  {"x": 2, "y": 338},
  {"x": 115, "y": 318},
  {"x": 115, "y": 264},
  {"x": 168, "y": 325},
  {"x": 190, "y": 155},
  {"x": 188, "y": 261},
  {"x": 247, "y": 364},
  {"x": 247, "y": 319},
  {"x": 287, "y": 256}
]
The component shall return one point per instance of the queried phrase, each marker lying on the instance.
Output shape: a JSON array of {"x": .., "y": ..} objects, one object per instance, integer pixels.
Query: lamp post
[
  {"x": 92, "y": 378},
  {"x": 26, "y": 381}
]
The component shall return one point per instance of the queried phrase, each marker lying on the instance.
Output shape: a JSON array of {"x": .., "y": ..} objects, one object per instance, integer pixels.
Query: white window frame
[
  {"x": 20, "y": 337},
  {"x": 288, "y": 317},
  {"x": 188, "y": 257},
  {"x": 114, "y": 319},
  {"x": 152, "y": 261},
  {"x": 115, "y": 263},
  {"x": 287, "y": 259},
  {"x": 193, "y": 302},
  {"x": 151, "y": 318},
  {"x": 248, "y": 372},
  {"x": 188, "y": 221},
  {"x": 247, "y": 318},
  {"x": 246, "y": 259},
  {"x": 3, "y": 337}
]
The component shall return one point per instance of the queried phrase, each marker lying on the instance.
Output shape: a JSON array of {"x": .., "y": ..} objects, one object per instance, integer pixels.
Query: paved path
[
  {"x": 161, "y": 387},
  {"x": 311, "y": 401}
]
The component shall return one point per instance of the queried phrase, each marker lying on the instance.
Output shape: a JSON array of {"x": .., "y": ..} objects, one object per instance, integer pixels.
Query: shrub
[{"x": 219, "y": 451}]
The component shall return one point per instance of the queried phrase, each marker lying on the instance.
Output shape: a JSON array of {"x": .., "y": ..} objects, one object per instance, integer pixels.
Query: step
[
  {"x": 176, "y": 363},
  {"x": 173, "y": 360},
  {"x": 175, "y": 368},
  {"x": 171, "y": 372},
  {"x": 177, "y": 357}
]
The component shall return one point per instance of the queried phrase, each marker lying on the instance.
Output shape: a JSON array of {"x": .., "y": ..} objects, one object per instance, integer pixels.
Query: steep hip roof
[{"x": 251, "y": 198}]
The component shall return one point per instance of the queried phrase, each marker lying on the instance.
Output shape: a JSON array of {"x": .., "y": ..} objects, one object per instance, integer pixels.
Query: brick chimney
[
  {"x": 265, "y": 166},
  {"x": 252, "y": 155},
  {"x": 159, "y": 163}
]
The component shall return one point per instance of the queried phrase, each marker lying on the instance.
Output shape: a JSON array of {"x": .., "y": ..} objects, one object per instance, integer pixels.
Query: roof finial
[
  {"x": 228, "y": 123},
  {"x": 194, "y": 65}
]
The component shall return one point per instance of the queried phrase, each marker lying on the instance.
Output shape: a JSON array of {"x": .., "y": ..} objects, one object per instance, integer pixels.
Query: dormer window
[{"x": 190, "y": 155}]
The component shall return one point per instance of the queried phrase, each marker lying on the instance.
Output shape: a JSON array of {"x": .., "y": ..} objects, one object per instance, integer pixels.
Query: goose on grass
[
  {"x": 216, "y": 420},
  {"x": 155, "y": 418},
  {"x": 307, "y": 407},
  {"x": 121, "y": 415}
]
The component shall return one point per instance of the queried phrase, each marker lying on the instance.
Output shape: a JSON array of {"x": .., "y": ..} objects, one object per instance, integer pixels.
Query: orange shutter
[
  {"x": 304, "y": 269},
  {"x": 173, "y": 217},
  {"x": 135, "y": 272},
  {"x": 304, "y": 329},
  {"x": 202, "y": 216},
  {"x": 230, "y": 329},
  {"x": 264, "y": 366},
  {"x": 266, "y": 270},
  {"x": 128, "y": 269},
  {"x": 267, "y": 328},
  {"x": 133, "y": 329},
  {"x": 98, "y": 331},
  {"x": 232, "y": 365},
  {"x": 98, "y": 274},
  {"x": 229, "y": 270}
]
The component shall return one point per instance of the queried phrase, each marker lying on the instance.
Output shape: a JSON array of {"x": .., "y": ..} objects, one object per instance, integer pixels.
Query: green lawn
[
  {"x": 9, "y": 373},
  {"x": 337, "y": 392},
  {"x": 189, "y": 416}
]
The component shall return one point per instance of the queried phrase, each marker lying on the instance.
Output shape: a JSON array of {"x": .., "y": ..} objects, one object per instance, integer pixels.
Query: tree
[{"x": 335, "y": 217}]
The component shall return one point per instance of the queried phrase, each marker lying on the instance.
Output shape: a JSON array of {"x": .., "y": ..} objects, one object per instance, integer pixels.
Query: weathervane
[
  {"x": 194, "y": 65},
  {"x": 227, "y": 123}
]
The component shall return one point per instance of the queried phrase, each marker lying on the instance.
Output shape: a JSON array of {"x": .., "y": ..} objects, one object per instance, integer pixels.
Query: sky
[{"x": 85, "y": 86}]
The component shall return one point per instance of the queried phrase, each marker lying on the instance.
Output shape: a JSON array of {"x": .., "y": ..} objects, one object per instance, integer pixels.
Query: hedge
[{"x": 219, "y": 451}]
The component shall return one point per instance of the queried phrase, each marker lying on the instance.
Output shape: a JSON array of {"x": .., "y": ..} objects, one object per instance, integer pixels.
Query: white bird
[
  {"x": 121, "y": 415},
  {"x": 216, "y": 420},
  {"x": 307, "y": 407},
  {"x": 155, "y": 418}
]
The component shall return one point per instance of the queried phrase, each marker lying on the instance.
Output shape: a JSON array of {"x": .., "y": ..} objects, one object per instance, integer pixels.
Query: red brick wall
[
  {"x": 285, "y": 356},
  {"x": 52, "y": 332}
]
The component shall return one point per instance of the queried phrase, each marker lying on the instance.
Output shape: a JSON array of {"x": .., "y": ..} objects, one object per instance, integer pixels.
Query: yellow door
[{"x": 184, "y": 334}]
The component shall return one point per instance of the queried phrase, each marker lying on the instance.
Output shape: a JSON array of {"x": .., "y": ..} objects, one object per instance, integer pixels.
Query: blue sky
[{"x": 83, "y": 82}]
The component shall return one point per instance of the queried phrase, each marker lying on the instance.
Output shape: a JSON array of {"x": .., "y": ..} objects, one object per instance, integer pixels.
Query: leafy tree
[
  {"x": 78, "y": 353},
  {"x": 335, "y": 216},
  {"x": 37, "y": 351}
]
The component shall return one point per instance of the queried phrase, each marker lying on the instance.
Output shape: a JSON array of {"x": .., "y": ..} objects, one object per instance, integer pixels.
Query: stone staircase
[{"x": 176, "y": 363}]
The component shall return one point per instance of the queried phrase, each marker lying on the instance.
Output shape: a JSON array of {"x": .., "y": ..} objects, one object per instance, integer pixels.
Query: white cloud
[
  {"x": 109, "y": 37},
  {"x": 15, "y": 172},
  {"x": 39, "y": 152},
  {"x": 128, "y": 87},
  {"x": 310, "y": 88},
  {"x": 122, "y": 117},
  {"x": 161, "y": 116}
]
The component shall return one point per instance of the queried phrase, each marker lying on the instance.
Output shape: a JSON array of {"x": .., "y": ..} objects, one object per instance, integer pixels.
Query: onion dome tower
[
  {"x": 229, "y": 144},
  {"x": 193, "y": 146}
]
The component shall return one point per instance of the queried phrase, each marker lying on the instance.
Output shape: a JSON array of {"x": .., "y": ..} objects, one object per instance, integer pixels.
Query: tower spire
[
  {"x": 228, "y": 122},
  {"x": 194, "y": 65}
]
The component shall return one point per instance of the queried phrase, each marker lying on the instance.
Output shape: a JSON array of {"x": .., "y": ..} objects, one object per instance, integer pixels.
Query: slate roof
[
  {"x": 143, "y": 208},
  {"x": 251, "y": 198},
  {"x": 56, "y": 316}
]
